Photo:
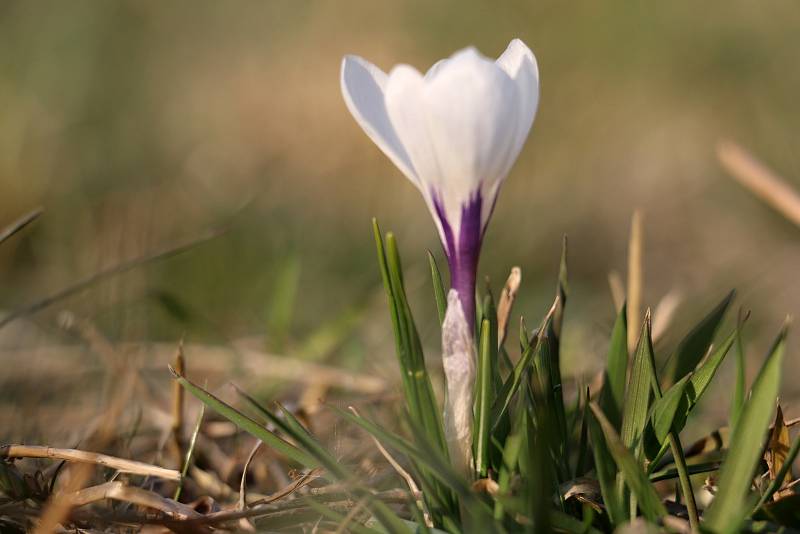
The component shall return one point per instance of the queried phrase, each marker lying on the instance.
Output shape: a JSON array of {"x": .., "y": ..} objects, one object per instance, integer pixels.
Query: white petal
[
  {"x": 458, "y": 360},
  {"x": 472, "y": 120},
  {"x": 407, "y": 111},
  {"x": 520, "y": 64},
  {"x": 363, "y": 86}
]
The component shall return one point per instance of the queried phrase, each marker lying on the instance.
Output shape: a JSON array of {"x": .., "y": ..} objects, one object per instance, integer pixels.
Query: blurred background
[{"x": 141, "y": 125}]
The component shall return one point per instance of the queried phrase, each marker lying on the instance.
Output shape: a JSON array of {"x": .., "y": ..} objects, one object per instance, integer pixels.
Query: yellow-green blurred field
[{"x": 137, "y": 125}]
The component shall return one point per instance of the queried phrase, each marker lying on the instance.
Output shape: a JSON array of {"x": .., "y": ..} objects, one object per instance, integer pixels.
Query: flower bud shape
[{"x": 454, "y": 132}]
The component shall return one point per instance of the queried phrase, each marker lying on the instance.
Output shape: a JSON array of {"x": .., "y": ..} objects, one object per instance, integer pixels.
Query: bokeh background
[{"x": 137, "y": 125}]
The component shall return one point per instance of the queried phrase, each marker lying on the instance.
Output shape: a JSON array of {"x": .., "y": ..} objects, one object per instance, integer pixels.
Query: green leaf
[
  {"x": 521, "y": 369},
  {"x": 664, "y": 409},
  {"x": 651, "y": 506},
  {"x": 246, "y": 424},
  {"x": 511, "y": 452},
  {"x": 740, "y": 388},
  {"x": 700, "y": 380},
  {"x": 695, "y": 345},
  {"x": 640, "y": 385},
  {"x": 613, "y": 394},
  {"x": 729, "y": 507},
  {"x": 439, "y": 292},
  {"x": 422, "y": 406},
  {"x": 484, "y": 399},
  {"x": 606, "y": 469}
]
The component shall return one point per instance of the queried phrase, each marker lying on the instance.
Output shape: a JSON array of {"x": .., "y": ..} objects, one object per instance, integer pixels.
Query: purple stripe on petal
[{"x": 464, "y": 249}]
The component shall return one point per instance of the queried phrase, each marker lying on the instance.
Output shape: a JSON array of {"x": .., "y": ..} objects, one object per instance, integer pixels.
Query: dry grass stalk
[
  {"x": 506, "y": 302},
  {"x": 405, "y": 475},
  {"x": 635, "y": 279},
  {"x": 617, "y": 288},
  {"x": 665, "y": 313},
  {"x": 109, "y": 272},
  {"x": 138, "y": 496},
  {"x": 58, "y": 507},
  {"x": 20, "y": 223},
  {"x": 760, "y": 180},
  {"x": 177, "y": 404},
  {"x": 351, "y": 515},
  {"x": 74, "y": 455}
]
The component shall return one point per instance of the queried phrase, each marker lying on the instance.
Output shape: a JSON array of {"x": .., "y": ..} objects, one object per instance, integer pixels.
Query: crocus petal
[
  {"x": 520, "y": 64},
  {"x": 472, "y": 122},
  {"x": 363, "y": 86},
  {"x": 458, "y": 359},
  {"x": 407, "y": 110}
]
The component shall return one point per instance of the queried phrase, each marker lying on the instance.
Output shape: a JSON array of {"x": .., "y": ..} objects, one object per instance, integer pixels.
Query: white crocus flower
[{"x": 454, "y": 132}]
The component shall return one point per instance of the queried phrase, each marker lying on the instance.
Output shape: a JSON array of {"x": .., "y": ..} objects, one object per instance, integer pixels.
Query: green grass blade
[
  {"x": 562, "y": 522},
  {"x": 665, "y": 408},
  {"x": 640, "y": 385},
  {"x": 606, "y": 470},
  {"x": 695, "y": 345},
  {"x": 740, "y": 388},
  {"x": 511, "y": 452},
  {"x": 484, "y": 399},
  {"x": 429, "y": 413},
  {"x": 430, "y": 459},
  {"x": 613, "y": 394},
  {"x": 439, "y": 292},
  {"x": 694, "y": 469},
  {"x": 651, "y": 506},
  {"x": 513, "y": 382},
  {"x": 729, "y": 507},
  {"x": 245, "y": 423},
  {"x": 189, "y": 453},
  {"x": 700, "y": 380}
]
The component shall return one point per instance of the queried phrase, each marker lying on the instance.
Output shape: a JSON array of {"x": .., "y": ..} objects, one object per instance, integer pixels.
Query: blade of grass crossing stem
[
  {"x": 651, "y": 506},
  {"x": 439, "y": 292},
  {"x": 695, "y": 345},
  {"x": 729, "y": 507},
  {"x": 247, "y": 424},
  {"x": 613, "y": 394},
  {"x": 483, "y": 400}
]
